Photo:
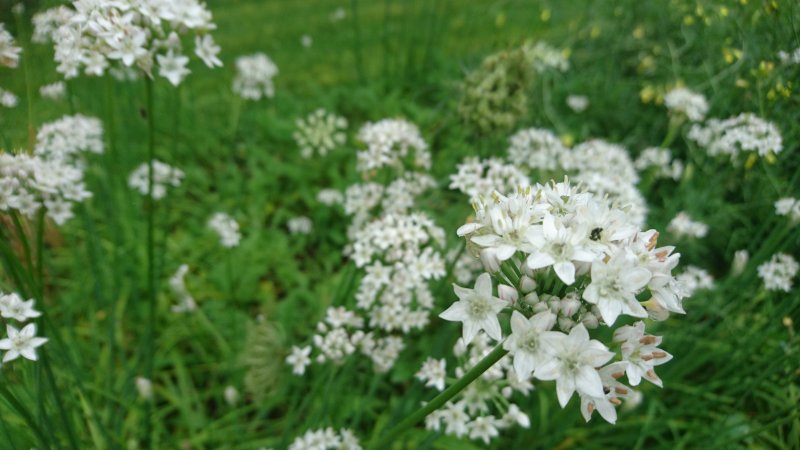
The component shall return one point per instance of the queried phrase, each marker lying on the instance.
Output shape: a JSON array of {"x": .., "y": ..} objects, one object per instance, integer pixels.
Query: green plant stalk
[
  {"x": 151, "y": 270},
  {"x": 439, "y": 401},
  {"x": 28, "y": 87}
]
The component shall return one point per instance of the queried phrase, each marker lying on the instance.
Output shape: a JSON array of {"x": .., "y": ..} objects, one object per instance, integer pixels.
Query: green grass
[{"x": 735, "y": 379}]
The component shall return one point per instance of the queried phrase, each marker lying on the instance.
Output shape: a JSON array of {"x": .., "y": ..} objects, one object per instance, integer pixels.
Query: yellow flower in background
[
  {"x": 647, "y": 94},
  {"x": 638, "y": 32},
  {"x": 595, "y": 33},
  {"x": 500, "y": 20},
  {"x": 545, "y": 15},
  {"x": 567, "y": 139},
  {"x": 731, "y": 54}
]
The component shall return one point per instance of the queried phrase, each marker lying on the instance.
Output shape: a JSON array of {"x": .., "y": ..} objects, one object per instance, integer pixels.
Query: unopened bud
[
  {"x": 532, "y": 298},
  {"x": 565, "y": 323},
  {"x": 590, "y": 321},
  {"x": 527, "y": 284},
  {"x": 507, "y": 293},
  {"x": 490, "y": 261},
  {"x": 569, "y": 306}
]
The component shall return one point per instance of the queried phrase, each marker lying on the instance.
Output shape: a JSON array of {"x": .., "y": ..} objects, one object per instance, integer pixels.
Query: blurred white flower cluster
[
  {"x": 693, "y": 279},
  {"x": 792, "y": 57},
  {"x": 177, "y": 285},
  {"x": 660, "y": 161},
  {"x": 140, "y": 33},
  {"x": 47, "y": 22},
  {"x": 567, "y": 261},
  {"x": 320, "y": 132},
  {"x": 300, "y": 225},
  {"x": 743, "y": 133},
  {"x": 536, "y": 148},
  {"x": 9, "y": 51},
  {"x": 53, "y": 91},
  {"x": 8, "y": 99},
  {"x": 254, "y": 74},
  {"x": 29, "y": 182},
  {"x": 476, "y": 177},
  {"x": 544, "y": 57},
  {"x": 19, "y": 342},
  {"x": 326, "y": 439},
  {"x": 788, "y": 206},
  {"x": 778, "y": 272},
  {"x": 65, "y": 138},
  {"x": 226, "y": 227},
  {"x": 164, "y": 176},
  {"x": 388, "y": 143},
  {"x": 682, "y": 225},
  {"x": 681, "y": 101}
]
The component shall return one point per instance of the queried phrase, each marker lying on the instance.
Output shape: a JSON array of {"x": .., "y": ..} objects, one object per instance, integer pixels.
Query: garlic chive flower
[
  {"x": 477, "y": 308},
  {"x": 21, "y": 343},
  {"x": 254, "y": 74}
]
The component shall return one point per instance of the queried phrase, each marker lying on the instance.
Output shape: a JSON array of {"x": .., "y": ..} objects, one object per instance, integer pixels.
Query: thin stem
[
  {"x": 439, "y": 401},
  {"x": 151, "y": 272},
  {"x": 357, "y": 42},
  {"x": 28, "y": 86}
]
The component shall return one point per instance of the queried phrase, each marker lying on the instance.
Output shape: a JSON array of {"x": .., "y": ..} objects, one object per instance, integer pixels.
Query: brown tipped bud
[{"x": 652, "y": 243}]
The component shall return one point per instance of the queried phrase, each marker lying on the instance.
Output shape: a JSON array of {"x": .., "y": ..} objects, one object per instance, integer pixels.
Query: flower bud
[
  {"x": 590, "y": 321},
  {"x": 526, "y": 284},
  {"x": 569, "y": 306},
  {"x": 532, "y": 298},
  {"x": 507, "y": 293},
  {"x": 231, "y": 395},
  {"x": 565, "y": 323},
  {"x": 490, "y": 261}
]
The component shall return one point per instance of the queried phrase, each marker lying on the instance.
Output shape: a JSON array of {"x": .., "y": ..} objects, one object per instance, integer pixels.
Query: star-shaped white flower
[
  {"x": 558, "y": 246},
  {"x": 614, "y": 287},
  {"x": 299, "y": 359},
  {"x": 529, "y": 341},
  {"x": 21, "y": 343},
  {"x": 477, "y": 308},
  {"x": 573, "y": 365},
  {"x": 173, "y": 67}
]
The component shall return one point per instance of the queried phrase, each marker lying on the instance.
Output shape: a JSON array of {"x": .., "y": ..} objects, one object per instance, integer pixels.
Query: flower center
[{"x": 479, "y": 307}]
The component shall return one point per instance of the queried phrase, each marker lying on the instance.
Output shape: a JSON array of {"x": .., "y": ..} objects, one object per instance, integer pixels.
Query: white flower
[
  {"x": 788, "y": 206},
  {"x": 173, "y": 67},
  {"x": 686, "y": 102},
  {"x": 574, "y": 363},
  {"x": 578, "y": 103},
  {"x": 388, "y": 142},
  {"x": 164, "y": 175},
  {"x": 13, "y": 307},
  {"x": 231, "y": 395},
  {"x": 53, "y": 91},
  {"x": 21, "y": 343},
  {"x": 433, "y": 372},
  {"x": 306, "y": 41},
  {"x": 330, "y": 197},
  {"x": 227, "y": 229},
  {"x": 300, "y": 225},
  {"x": 8, "y": 99},
  {"x": 477, "y": 177},
  {"x": 186, "y": 302},
  {"x": 9, "y": 52},
  {"x": 614, "y": 286},
  {"x": 743, "y": 133},
  {"x": 299, "y": 359},
  {"x": 778, "y": 272},
  {"x": 254, "y": 74},
  {"x": 207, "y": 50},
  {"x": 529, "y": 342},
  {"x": 145, "y": 387},
  {"x": 683, "y": 225},
  {"x": 536, "y": 148},
  {"x": 484, "y": 428},
  {"x": 477, "y": 309},
  {"x": 641, "y": 352},
  {"x": 558, "y": 246},
  {"x": 320, "y": 132}
]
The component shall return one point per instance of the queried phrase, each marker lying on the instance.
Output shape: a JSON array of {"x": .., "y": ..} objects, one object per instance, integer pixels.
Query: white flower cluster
[
  {"x": 227, "y": 229},
  {"x": 326, "y": 439},
  {"x": 19, "y": 342},
  {"x": 471, "y": 415},
  {"x": 254, "y": 74},
  {"x": 661, "y": 162},
  {"x": 790, "y": 57},
  {"x": 788, "y": 206},
  {"x": 138, "y": 33},
  {"x": 537, "y": 148},
  {"x": 29, "y": 182},
  {"x": 388, "y": 142},
  {"x": 47, "y": 22},
  {"x": 8, "y": 99},
  {"x": 685, "y": 102},
  {"x": 544, "y": 57},
  {"x": 9, "y": 52},
  {"x": 743, "y": 133},
  {"x": 177, "y": 285},
  {"x": 778, "y": 272},
  {"x": 476, "y": 177},
  {"x": 164, "y": 175},
  {"x": 300, "y": 225},
  {"x": 67, "y": 137},
  {"x": 320, "y": 132},
  {"x": 53, "y": 91},
  {"x": 682, "y": 225},
  {"x": 330, "y": 197},
  {"x": 566, "y": 261},
  {"x": 693, "y": 279},
  {"x": 578, "y": 103}
]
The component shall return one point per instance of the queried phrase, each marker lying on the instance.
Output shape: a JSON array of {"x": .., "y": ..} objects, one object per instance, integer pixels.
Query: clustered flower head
[
  {"x": 792, "y": 57},
  {"x": 254, "y": 74},
  {"x": 227, "y": 229},
  {"x": 320, "y": 132},
  {"x": 177, "y": 285},
  {"x": 28, "y": 183},
  {"x": 164, "y": 176},
  {"x": 129, "y": 33},
  {"x": 788, "y": 206},
  {"x": 578, "y": 103},
  {"x": 66, "y": 138},
  {"x": 9, "y": 52},
  {"x": 330, "y": 197},
  {"x": 326, "y": 439},
  {"x": 544, "y": 57},
  {"x": 536, "y": 148},
  {"x": 476, "y": 176},
  {"x": 693, "y": 278},
  {"x": 8, "y": 99},
  {"x": 682, "y": 225},
  {"x": 300, "y": 225},
  {"x": 47, "y": 22},
  {"x": 685, "y": 102},
  {"x": 18, "y": 342},
  {"x": 778, "y": 272},
  {"x": 567, "y": 261},
  {"x": 660, "y": 161},
  {"x": 743, "y": 133},
  {"x": 388, "y": 143},
  {"x": 53, "y": 91}
]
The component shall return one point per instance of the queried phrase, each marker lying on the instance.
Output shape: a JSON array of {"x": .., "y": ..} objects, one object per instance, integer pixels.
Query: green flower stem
[
  {"x": 439, "y": 401},
  {"x": 674, "y": 127},
  {"x": 151, "y": 270}
]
